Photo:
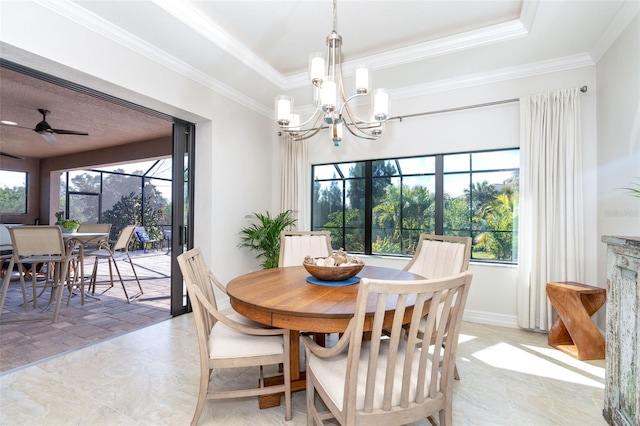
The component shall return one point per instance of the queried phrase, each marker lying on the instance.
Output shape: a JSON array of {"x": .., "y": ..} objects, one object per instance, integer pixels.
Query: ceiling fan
[{"x": 47, "y": 132}]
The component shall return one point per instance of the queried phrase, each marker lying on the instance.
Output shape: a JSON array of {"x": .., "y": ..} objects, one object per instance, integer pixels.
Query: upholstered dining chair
[
  {"x": 225, "y": 343},
  {"x": 38, "y": 245},
  {"x": 438, "y": 256},
  {"x": 113, "y": 252},
  {"x": 296, "y": 245},
  {"x": 390, "y": 380}
]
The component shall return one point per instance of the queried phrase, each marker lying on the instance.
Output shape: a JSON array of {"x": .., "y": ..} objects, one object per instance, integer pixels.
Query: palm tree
[{"x": 497, "y": 219}]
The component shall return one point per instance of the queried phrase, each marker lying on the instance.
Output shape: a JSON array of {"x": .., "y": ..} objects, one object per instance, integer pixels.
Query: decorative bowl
[{"x": 333, "y": 273}]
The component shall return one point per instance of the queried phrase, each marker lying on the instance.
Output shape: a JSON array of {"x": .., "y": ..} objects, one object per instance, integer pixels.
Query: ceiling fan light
[{"x": 49, "y": 137}]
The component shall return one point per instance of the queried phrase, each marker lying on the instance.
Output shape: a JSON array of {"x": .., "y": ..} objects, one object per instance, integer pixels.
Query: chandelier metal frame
[{"x": 333, "y": 107}]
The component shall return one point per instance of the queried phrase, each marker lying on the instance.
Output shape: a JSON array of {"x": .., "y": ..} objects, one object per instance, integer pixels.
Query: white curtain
[
  {"x": 550, "y": 217},
  {"x": 293, "y": 157}
]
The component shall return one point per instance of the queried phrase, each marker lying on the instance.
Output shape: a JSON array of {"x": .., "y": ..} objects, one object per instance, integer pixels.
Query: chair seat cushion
[
  {"x": 224, "y": 342},
  {"x": 331, "y": 375},
  {"x": 142, "y": 235}
]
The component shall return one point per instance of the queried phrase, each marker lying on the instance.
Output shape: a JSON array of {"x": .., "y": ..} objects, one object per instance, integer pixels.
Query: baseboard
[
  {"x": 223, "y": 303},
  {"x": 490, "y": 318}
]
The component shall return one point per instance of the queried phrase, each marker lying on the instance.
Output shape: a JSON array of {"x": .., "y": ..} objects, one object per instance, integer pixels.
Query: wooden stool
[{"x": 573, "y": 332}]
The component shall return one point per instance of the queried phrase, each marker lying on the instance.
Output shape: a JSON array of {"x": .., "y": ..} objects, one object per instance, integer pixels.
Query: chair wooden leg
[
  {"x": 310, "y": 402},
  {"x": 202, "y": 396}
]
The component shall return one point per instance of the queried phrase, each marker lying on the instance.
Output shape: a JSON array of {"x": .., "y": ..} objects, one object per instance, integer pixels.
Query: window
[
  {"x": 382, "y": 206},
  {"x": 136, "y": 193},
  {"x": 13, "y": 192}
]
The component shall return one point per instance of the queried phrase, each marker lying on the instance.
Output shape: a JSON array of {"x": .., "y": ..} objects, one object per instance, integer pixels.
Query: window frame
[
  {"x": 439, "y": 217},
  {"x": 27, "y": 176}
]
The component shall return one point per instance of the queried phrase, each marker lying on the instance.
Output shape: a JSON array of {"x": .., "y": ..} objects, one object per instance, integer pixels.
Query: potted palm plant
[{"x": 263, "y": 235}]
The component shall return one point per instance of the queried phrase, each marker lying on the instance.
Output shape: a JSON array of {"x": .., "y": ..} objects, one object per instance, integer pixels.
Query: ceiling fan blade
[
  {"x": 49, "y": 137},
  {"x": 15, "y": 125},
  {"x": 69, "y": 132}
]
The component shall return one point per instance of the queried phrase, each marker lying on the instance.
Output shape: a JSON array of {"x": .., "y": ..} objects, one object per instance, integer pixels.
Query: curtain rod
[{"x": 583, "y": 89}]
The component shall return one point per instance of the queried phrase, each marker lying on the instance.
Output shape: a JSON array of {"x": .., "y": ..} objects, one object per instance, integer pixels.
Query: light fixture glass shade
[
  {"x": 362, "y": 79},
  {"x": 316, "y": 68},
  {"x": 380, "y": 104},
  {"x": 284, "y": 109},
  {"x": 336, "y": 133},
  {"x": 328, "y": 96}
]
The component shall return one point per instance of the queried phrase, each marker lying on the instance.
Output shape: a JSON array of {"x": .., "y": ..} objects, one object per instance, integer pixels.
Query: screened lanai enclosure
[{"x": 136, "y": 193}]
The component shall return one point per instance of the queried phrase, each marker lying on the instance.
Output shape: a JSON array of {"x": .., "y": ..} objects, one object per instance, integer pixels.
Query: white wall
[
  {"x": 618, "y": 142},
  {"x": 234, "y": 145},
  {"x": 492, "y": 299}
]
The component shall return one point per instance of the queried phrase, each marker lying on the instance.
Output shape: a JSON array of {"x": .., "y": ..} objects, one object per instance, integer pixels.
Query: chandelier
[{"x": 332, "y": 105}]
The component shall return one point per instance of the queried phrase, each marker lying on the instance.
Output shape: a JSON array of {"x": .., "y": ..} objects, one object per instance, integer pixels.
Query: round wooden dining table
[{"x": 283, "y": 298}]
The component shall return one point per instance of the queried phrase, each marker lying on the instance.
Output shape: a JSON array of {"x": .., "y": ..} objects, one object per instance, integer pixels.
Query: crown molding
[
  {"x": 628, "y": 10},
  {"x": 495, "y": 76},
  {"x": 528, "y": 13},
  {"x": 190, "y": 16},
  {"x": 467, "y": 40},
  {"x": 446, "y": 45},
  {"x": 478, "y": 79},
  {"x": 421, "y": 51},
  {"x": 95, "y": 23}
]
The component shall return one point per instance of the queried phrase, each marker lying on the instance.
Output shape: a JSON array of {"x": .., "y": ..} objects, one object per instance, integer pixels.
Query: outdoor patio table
[{"x": 82, "y": 239}]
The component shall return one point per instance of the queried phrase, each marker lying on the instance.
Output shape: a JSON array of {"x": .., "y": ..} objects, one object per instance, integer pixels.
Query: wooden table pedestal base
[{"x": 573, "y": 331}]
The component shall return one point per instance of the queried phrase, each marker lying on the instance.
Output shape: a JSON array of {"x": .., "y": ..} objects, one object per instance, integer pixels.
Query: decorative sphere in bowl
[{"x": 333, "y": 273}]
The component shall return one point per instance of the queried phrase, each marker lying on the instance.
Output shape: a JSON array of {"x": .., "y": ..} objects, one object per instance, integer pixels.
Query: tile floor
[
  {"x": 22, "y": 343},
  {"x": 150, "y": 377}
]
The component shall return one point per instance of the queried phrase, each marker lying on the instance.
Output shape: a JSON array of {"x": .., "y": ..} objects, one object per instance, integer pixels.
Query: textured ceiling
[{"x": 107, "y": 123}]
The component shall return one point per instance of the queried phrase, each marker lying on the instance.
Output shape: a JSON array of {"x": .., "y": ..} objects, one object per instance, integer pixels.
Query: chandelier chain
[{"x": 335, "y": 15}]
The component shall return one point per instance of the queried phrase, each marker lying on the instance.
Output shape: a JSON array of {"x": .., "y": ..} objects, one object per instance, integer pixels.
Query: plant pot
[{"x": 69, "y": 230}]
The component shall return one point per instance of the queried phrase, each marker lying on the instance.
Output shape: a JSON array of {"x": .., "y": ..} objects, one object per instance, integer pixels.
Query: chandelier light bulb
[
  {"x": 362, "y": 80},
  {"x": 284, "y": 109},
  {"x": 380, "y": 104},
  {"x": 316, "y": 68},
  {"x": 328, "y": 96}
]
